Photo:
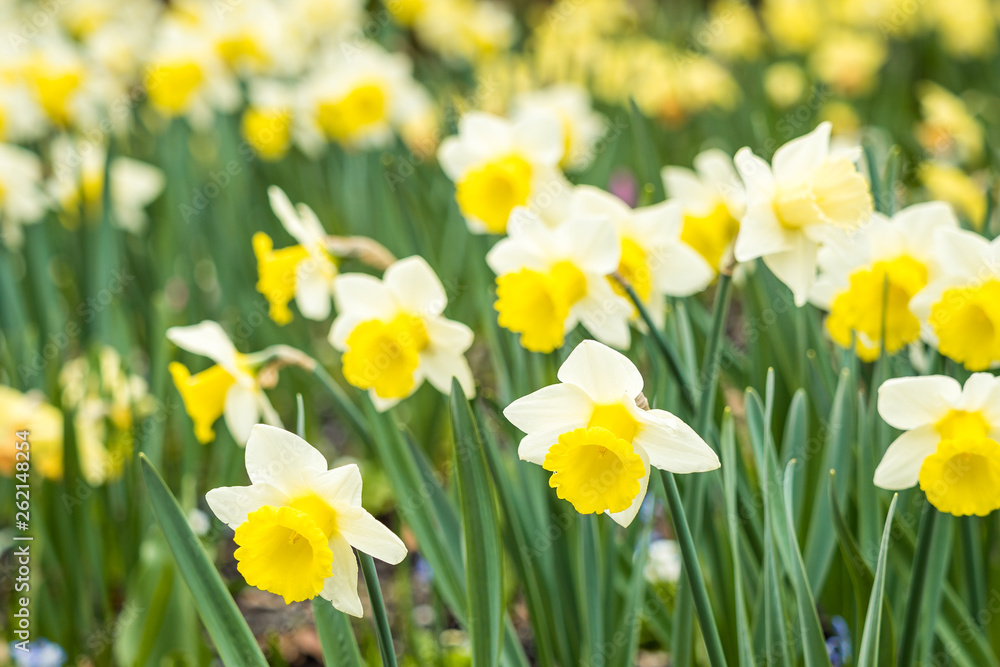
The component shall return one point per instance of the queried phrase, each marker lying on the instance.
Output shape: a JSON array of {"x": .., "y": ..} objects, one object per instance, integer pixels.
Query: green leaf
[
  {"x": 335, "y": 635},
  {"x": 813, "y": 642},
  {"x": 868, "y": 657},
  {"x": 223, "y": 620},
  {"x": 730, "y": 467},
  {"x": 481, "y": 528}
]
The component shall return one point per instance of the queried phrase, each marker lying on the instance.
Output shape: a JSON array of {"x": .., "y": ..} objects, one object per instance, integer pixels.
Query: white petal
[
  {"x": 540, "y": 136},
  {"x": 240, "y": 410},
  {"x": 604, "y": 314},
  {"x": 604, "y": 374},
  {"x": 415, "y": 286},
  {"x": 559, "y": 406},
  {"x": 910, "y": 402},
  {"x": 440, "y": 366},
  {"x": 232, "y": 503},
  {"x": 684, "y": 185},
  {"x": 756, "y": 175},
  {"x": 796, "y": 267},
  {"x": 282, "y": 459},
  {"x": 625, "y": 517},
  {"x": 313, "y": 286},
  {"x": 673, "y": 445},
  {"x": 981, "y": 393},
  {"x": 340, "y": 487},
  {"x": 383, "y": 404},
  {"x": 900, "y": 467},
  {"x": 592, "y": 244},
  {"x": 364, "y": 296},
  {"x": 341, "y": 587},
  {"x": 209, "y": 340},
  {"x": 588, "y": 201},
  {"x": 365, "y": 533},
  {"x": 794, "y": 161},
  {"x": 678, "y": 270},
  {"x": 760, "y": 234},
  {"x": 535, "y": 446}
]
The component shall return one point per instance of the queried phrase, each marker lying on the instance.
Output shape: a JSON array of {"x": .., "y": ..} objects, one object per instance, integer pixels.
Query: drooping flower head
[
  {"x": 394, "y": 335},
  {"x": 298, "y": 521},
  {"x": 549, "y": 279},
  {"x": 950, "y": 441},
  {"x": 962, "y": 306},
  {"x": 807, "y": 195},
  {"x": 712, "y": 200},
  {"x": 597, "y": 443},
  {"x": 229, "y": 388},
  {"x": 655, "y": 260},
  {"x": 867, "y": 280},
  {"x": 498, "y": 165},
  {"x": 304, "y": 272}
]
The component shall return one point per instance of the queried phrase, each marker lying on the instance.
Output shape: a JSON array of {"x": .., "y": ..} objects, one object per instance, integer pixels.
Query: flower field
[{"x": 499, "y": 333}]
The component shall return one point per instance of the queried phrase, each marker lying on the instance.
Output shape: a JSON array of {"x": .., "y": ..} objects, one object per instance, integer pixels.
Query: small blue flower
[
  {"x": 838, "y": 645},
  {"x": 40, "y": 653},
  {"x": 422, "y": 570}
]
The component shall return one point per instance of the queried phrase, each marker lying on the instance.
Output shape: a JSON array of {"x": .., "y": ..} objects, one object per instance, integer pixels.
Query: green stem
[
  {"x": 911, "y": 624},
  {"x": 695, "y": 579},
  {"x": 661, "y": 342},
  {"x": 710, "y": 365},
  {"x": 382, "y": 631}
]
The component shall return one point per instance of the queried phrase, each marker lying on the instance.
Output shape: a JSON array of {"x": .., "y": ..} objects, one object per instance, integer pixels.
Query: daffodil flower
[
  {"x": 498, "y": 165},
  {"x": 712, "y": 200},
  {"x": 229, "y": 388},
  {"x": 962, "y": 306},
  {"x": 549, "y": 279},
  {"x": 22, "y": 201},
  {"x": 654, "y": 259},
  {"x": 598, "y": 444},
  {"x": 304, "y": 272},
  {"x": 298, "y": 521},
  {"x": 394, "y": 336},
  {"x": 569, "y": 105},
  {"x": 806, "y": 196},
  {"x": 358, "y": 98},
  {"x": 866, "y": 281},
  {"x": 950, "y": 441}
]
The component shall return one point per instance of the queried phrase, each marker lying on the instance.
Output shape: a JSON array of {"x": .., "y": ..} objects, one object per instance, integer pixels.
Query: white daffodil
[
  {"x": 298, "y": 521},
  {"x": 806, "y": 196},
  {"x": 358, "y": 97},
  {"x": 70, "y": 90},
  {"x": 229, "y": 388},
  {"x": 549, "y": 279},
  {"x": 581, "y": 126},
  {"x": 22, "y": 200},
  {"x": 21, "y": 117},
  {"x": 185, "y": 76},
  {"x": 654, "y": 259},
  {"x": 498, "y": 165},
  {"x": 866, "y": 280},
  {"x": 712, "y": 200},
  {"x": 950, "y": 441},
  {"x": 394, "y": 336},
  {"x": 304, "y": 272},
  {"x": 268, "y": 119},
  {"x": 598, "y": 444},
  {"x": 962, "y": 306},
  {"x": 78, "y": 183}
]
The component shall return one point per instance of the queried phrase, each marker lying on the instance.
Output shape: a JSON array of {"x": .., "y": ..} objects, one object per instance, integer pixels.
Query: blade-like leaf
[
  {"x": 223, "y": 620},
  {"x": 868, "y": 656},
  {"x": 335, "y": 635},
  {"x": 481, "y": 528}
]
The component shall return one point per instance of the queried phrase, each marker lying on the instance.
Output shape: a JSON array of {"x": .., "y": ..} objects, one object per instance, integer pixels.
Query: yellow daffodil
[
  {"x": 867, "y": 280},
  {"x": 655, "y": 260},
  {"x": 393, "y": 334},
  {"x": 498, "y": 165},
  {"x": 30, "y": 412},
  {"x": 947, "y": 129},
  {"x": 298, "y": 521},
  {"x": 78, "y": 183},
  {"x": 358, "y": 98},
  {"x": 949, "y": 445},
  {"x": 806, "y": 195},
  {"x": 712, "y": 201},
  {"x": 965, "y": 192},
  {"x": 598, "y": 444},
  {"x": 962, "y": 306},
  {"x": 304, "y": 272},
  {"x": 549, "y": 279},
  {"x": 227, "y": 388},
  {"x": 581, "y": 126},
  {"x": 848, "y": 61},
  {"x": 268, "y": 119}
]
